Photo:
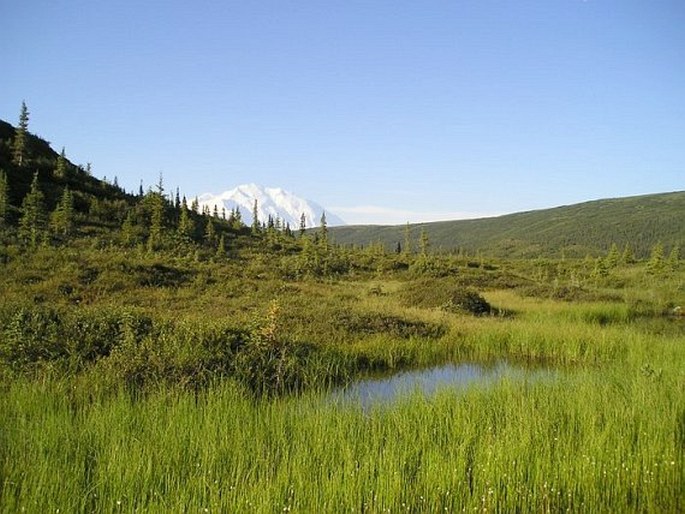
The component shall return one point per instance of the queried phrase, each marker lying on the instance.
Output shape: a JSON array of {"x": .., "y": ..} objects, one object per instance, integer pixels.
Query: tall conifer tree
[
  {"x": 61, "y": 166},
  {"x": 63, "y": 216},
  {"x": 33, "y": 217},
  {"x": 221, "y": 248},
  {"x": 185, "y": 223},
  {"x": 323, "y": 229},
  {"x": 128, "y": 231},
  {"x": 255, "y": 218},
  {"x": 4, "y": 198},
  {"x": 423, "y": 242},
  {"x": 407, "y": 239},
  {"x": 674, "y": 257},
  {"x": 210, "y": 233},
  {"x": 156, "y": 217},
  {"x": 656, "y": 258},
  {"x": 20, "y": 137},
  {"x": 303, "y": 224}
]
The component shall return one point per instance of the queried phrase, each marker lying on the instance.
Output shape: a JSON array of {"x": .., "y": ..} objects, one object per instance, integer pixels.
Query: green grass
[
  {"x": 607, "y": 435},
  {"x": 595, "y": 440},
  {"x": 138, "y": 381}
]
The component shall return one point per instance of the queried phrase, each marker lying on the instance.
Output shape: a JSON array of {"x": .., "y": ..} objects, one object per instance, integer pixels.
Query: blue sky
[{"x": 382, "y": 111}]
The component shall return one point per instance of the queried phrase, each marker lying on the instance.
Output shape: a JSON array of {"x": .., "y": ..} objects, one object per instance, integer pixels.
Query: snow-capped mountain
[{"x": 271, "y": 201}]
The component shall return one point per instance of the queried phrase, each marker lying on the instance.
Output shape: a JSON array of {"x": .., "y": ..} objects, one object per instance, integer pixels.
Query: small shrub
[
  {"x": 427, "y": 292},
  {"x": 395, "y": 326},
  {"x": 468, "y": 301},
  {"x": 159, "y": 275},
  {"x": 269, "y": 364}
]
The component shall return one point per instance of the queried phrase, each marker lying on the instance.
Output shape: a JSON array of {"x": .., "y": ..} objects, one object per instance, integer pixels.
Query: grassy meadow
[{"x": 132, "y": 383}]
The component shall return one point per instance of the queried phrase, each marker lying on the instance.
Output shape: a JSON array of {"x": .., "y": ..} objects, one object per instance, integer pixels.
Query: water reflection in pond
[{"x": 427, "y": 381}]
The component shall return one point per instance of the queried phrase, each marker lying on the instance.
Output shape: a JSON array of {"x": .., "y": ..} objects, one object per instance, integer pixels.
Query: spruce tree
[
  {"x": 20, "y": 137},
  {"x": 237, "y": 221},
  {"x": 160, "y": 184},
  {"x": 255, "y": 218},
  {"x": 61, "y": 166},
  {"x": 600, "y": 270},
  {"x": 4, "y": 198},
  {"x": 303, "y": 224},
  {"x": 128, "y": 232},
  {"x": 63, "y": 217},
  {"x": 33, "y": 217},
  {"x": 627, "y": 257},
  {"x": 221, "y": 248},
  {"x": 423, "y": 242},
  {"x": 613, "y": 257},
  {"x": 156, "y": 218},
  {"x": 323, "y": 229},
  {"x": 407, "y": 239},
  {"x": 674, "y": 257},
  {"x": 185, "y": 223},
  {"x": 210, "y": 233},
  {"x": 656, "y": 259}
]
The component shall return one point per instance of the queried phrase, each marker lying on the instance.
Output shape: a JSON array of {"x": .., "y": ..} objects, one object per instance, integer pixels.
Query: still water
[{"x": 388, "y": 388}]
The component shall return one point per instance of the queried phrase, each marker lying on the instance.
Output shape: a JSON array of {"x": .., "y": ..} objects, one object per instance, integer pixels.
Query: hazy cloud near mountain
[{"x": 376, "y": 215}]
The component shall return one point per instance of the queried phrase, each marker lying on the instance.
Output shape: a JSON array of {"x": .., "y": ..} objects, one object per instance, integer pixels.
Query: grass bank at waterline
[{"x": 607, "y": 439}]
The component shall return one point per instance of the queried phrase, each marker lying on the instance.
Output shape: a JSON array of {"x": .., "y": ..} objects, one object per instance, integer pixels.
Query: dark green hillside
[
  {"x": 573, "y": 230},
  {"x": 40, "y": 157}
]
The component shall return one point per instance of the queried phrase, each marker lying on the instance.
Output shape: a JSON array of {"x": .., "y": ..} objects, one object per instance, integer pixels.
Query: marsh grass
[
  {"x": 151, "y": 407},
  {"x": 592, "y": 440}
]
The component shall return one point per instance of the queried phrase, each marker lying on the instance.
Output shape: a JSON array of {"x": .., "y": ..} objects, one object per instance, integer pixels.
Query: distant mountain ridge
[
  {"x": 271, "y": 201},
  {"x": 588, "y": 228}
]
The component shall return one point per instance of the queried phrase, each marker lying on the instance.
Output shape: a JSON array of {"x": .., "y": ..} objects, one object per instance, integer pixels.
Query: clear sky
[{"x": 382, "y": 111}]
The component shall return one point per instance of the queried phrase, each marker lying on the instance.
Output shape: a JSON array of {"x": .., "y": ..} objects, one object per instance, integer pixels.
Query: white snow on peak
[{"x": 271, "y": 201}]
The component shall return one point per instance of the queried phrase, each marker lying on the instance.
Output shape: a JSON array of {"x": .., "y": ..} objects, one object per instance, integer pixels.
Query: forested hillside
[
  {"x": 54, "y": 172},
  {"x": 639, "y": 222}
]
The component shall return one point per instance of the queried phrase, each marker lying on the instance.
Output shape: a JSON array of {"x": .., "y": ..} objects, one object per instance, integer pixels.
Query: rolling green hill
[{"x": 573, "y": 230}]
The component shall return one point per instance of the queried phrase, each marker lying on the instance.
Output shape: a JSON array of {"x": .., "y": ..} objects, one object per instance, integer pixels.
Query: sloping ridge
[
  {"x": 42, "y": 159},
  {"x": 572, "y": 230}
]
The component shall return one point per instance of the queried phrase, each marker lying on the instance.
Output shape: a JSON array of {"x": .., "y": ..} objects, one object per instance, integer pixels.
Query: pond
[{"x": 389, "y": 388}]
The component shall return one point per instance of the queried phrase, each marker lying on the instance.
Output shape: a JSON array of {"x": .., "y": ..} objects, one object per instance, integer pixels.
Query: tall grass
[
  {"x": 105, "y": 408},
  {"x": 585, "y": 443},
  {"x": 607, "y": 438}
]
